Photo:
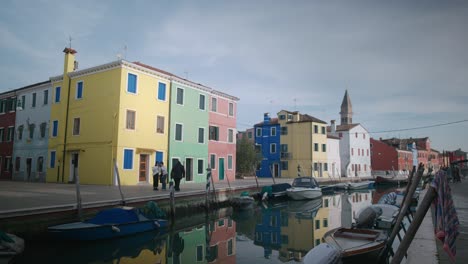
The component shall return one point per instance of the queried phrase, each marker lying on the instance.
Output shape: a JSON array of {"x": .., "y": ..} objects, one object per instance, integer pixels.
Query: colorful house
[
  {"x": 32, "y": 132},
  {"x": 267, "y": 136},
  {"x": 7, "y": 131},
  {"x": 387, "y": 158},
  {"x": 333, "y": 156},
  {"x": 223, "y": 242},
  {"x": 187, "y": 246},
  {"x": 303, "y": 145}
]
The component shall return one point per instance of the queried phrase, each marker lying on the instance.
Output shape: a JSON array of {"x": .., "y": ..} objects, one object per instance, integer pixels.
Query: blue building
[
  {"x": 267, "y": 136},
  {"x": 268, "y": 232}
]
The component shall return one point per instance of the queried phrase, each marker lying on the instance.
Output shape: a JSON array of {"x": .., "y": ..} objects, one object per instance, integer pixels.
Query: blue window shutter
[
  {"x": 162, "y": 91},
  {"x": 52, "y": 159},
  {"x": 132, "y": 83},
  {"x": 159, "y": 156},
  {"x": 55, "y": 128},
  {"x": 57, "y": 94},
  {"x": 79, "y": 90},
  {"x": 128, "y": 159}
]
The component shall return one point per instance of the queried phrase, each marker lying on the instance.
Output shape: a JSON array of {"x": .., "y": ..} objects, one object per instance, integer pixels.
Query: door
[
  {"x": 276, "y": 170},
  {"x": 221, "y": 169},
  {"x": 143, "y": 168},
  {"x": 73, "y": 167},
  {"x": 28, "y": 168},
  {"x": 189, "y": 169},
  {"x": 320, "y": 170}
]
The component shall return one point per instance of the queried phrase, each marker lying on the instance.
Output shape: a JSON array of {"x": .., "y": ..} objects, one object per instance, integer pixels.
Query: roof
[
  {"x": 273, "y": 121},
  {"x": 332, "y": 137},
  {"x": 24, "y": 87},
  {"x": 343, "y": 127}
]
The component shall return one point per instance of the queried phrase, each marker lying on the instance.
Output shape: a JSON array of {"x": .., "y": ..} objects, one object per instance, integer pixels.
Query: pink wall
[
  {"x": 220, "y": 237},
  {"x": 223, "y": 148}
]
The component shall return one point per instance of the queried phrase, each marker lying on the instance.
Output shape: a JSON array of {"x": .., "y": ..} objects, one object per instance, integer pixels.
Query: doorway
[
  {"x": 143, "y": 168},
  {"x": 275, "y": 170},
  {"x": 221, "y": 169},
  {"x": 189, "y": 169},
  {"x": 73, "y": 167},
  {"x": 320, "y": 169},
  {"x": 28, "y": 168}
]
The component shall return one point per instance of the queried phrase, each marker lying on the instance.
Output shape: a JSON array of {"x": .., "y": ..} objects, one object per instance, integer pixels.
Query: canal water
[{"x": 279, "y": 232}]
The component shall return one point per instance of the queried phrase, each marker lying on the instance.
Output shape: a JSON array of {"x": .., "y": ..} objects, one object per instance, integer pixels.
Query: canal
[{"x": 274, "y": 232}]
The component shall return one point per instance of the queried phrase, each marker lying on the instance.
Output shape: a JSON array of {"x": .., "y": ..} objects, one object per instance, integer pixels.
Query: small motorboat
[
  {"x": 359, "y": 185},
  {"x": 244, "y": 201},
  {"x": 109, "y": 223},
  {"x": 274, "y": 191},
  {"x": 10, "y": 245},
  {"x": 357, "y": 244},
  {"x": 304, "y": 188},
  {"x": 390, "y": 180},
  {"x": 322, "y": 254},
  {"x": 341, "y": 186},
  {"x": 388, "y": 216}
]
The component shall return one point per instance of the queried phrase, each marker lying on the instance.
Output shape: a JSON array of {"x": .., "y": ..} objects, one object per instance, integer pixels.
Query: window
[
  {"x": 367, "y": 152},
  {"x": 128, "y": 159},
  {"x": 23, "y": 101},
  {"x": 359, "y": 152},
  {"x": 40, "y": 164},
  {"x": 284, "y": 147},
  {"x": 259, "y": 132},
  {"x": 230, "y": 135},
  {"x": 160, "y": 124},
  {"x": 213, "y": 161},
  {"x": 76, "y": 126},
  {"x": 214, "y": 104},
  {"x": 326, "y": 204},
  {"x": 52, "y": 159},
  {"x": 284, "y": 165},
  {"x": 57, "y": 94},
  {"x": 132, "y": 83},
  {"x": 231, "y": 109},
  {"x": 325, "y": 166},
  {"x": 201, "y": 135},
  {"x": 249, "y": 134},
  {"x": 31, "y": 130},
  {"x": 273, "y": 131},
  {"x": 284, "y": 130},
  {"x": 199, "y": 253},
  {"x": 282, "y": 117},
  {"x": 55, "y": 128},
  {"x": 214, "y": 133},
  {"x": 20, "y": 132},
  {"x": 317, "y": 242},
  {"x": 229, "y": 222},
  {"x": 7, "y": 165},
  {"x": 159, "y": 156},
  {"x": 180, "y": 96},
  {"x": 315, "y": 129},
  {"x": 2, "y": 132},
  {"x": 43, "y": 129},
  {"x": 79, "y": 90},
  {"x": 200, "y": 166},
  {"x": 290, "y": 116},
  {"x": 316, "y": 166},
  {"x": 17, "y": 164},
  {"x": 323, "y": 130},
  {"x": 365, "y": 167},
  {"x": 10, "y": 134},
  {"x": 162, "y": 91},
  {"x": 130, "y": 124},
  {"x": 324, "y": 147},
  {"x": 316, "y": 147},
  {"x": 273, "y": 148},
  {"x": 33, "y": 103},
  {"x": 229, "y": 162},
  {"x": 356, "y": 134},
  {"x": 317, "y": 224},
  {"x": 178, "y": 132},
  {"x": 352, "y": 151},
  {"x": 363, "y": 136},
  {"x": 284, "y": 239},
  {"x": 230, "y": 247},
  {"x": 201, "y": 102},
  {"x": 46, "y": 97}
]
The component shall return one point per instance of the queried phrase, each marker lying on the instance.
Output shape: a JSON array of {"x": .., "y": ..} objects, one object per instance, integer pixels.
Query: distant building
[
  {"x": 7, "y": 133},
  {"x": 333, "y": 155},
  {"x": 386, "y": 158},
  {"x": 248, "y": 134}
]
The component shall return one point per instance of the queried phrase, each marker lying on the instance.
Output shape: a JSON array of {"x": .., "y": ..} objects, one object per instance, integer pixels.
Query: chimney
[
  {"x": 333, "y": 126},
  {"x": 69, "y": 63},
  {"x": 266, "y": 118}
]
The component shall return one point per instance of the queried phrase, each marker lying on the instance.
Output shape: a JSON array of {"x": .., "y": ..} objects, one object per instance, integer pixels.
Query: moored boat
[
  {"x": 304, "y": 188},
  {"x": 10, "y": 245},
  {"x": 108, "y": 223},
  {"x": 396, "y": 180},
  {"x": 274, "y": 191},
  {"x": 244, "y": 201},
  {"x": 323, "y": 254},
  {"x": 359, "y": 185}
]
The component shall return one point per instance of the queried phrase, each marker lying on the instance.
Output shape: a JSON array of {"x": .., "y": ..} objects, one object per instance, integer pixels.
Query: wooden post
[
  {"x": 116, "y": 169},
  {"x": 229, "y": 183},
  {"x": 271, "y": 172},
  {"x": 208, "y": 179},
  {"x": 213, "y": 186},
  {"x": 413, "y": 228},
  {"x": 78, "y": 196},
  {"x": 256, "y": 179},
  {"x": 172, "y": 200},
  {"x": 403, "y": 210}
]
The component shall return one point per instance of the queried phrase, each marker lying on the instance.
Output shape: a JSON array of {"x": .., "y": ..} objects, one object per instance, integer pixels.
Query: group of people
[{"x": 160, "y": 175}]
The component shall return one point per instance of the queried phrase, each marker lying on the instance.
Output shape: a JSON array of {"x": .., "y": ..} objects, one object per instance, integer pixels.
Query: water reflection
[{"x": 267, "y": 233}]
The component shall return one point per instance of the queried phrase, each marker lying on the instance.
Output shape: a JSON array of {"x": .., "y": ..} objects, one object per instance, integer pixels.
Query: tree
[{"x": 247, "y": 157}]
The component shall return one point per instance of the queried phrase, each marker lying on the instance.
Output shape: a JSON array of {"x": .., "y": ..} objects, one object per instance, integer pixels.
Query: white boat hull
[{"x": 300, "y": 193}]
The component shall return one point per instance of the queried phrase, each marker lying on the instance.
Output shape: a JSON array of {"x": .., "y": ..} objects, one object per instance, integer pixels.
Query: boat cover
[{"x": 114, "y": 216}]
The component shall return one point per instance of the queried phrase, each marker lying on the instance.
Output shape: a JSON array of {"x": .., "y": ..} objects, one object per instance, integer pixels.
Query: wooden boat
[
  {"x": 388, "y": 216},
  {"x": 109, "y": 223},
  {"x": 357, "y": 244},
  {"x": 396, "y": 180},
  {"x": 304, "y": 188},
  {"x": 244, "y": 201},
  {"x": 10, "y": 245}
]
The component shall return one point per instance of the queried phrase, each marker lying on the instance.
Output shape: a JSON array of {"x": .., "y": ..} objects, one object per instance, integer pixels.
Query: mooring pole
[
  {"x": 413, "y": 228},
  {"x": 256, "y": 179},
  {"x": 272, "y": 176},
  {"x": 116, "y": 169},
  {"x": 172, "y": 201},
  {"x": 78, "y": 195},
  {"x": 207, "y": 188}
]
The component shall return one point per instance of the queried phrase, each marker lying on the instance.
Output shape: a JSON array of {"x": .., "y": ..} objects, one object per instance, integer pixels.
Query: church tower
[{"x": 346, "y": 110}]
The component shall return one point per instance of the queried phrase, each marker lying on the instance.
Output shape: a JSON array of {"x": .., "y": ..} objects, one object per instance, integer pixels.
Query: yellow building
[
  {"x": 116, "y": 112},
  {"x": 304, "y": 144}
]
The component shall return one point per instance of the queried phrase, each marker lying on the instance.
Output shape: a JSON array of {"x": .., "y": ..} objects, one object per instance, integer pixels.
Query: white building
[
  {"x": 333, "y": 156},
  {"x": 31, "y": 132},
  {"x": 354, "y": 143}
]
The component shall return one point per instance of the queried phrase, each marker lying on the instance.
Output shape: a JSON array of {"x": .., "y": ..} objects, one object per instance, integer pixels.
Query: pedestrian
[
  {"x": 163, "y": 174},
  {"x": 156, "y": 170},
  {"x": 177, "y": 173}
]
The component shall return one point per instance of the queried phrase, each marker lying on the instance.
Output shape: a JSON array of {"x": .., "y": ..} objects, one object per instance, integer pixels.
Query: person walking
[
  {"x": 177, "y": 173},
  {"x": 163, "y": 173},
  {"x": 156, "y": 171}
]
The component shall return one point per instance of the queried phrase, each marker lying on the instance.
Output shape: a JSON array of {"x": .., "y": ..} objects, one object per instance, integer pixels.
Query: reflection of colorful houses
[
  {"x": 297, "y": 237},
  {"x": 156, "y": 255},
  {"x": 321, "y": 220},
  {"x": 359, "y": 201},
  {"x": 268, "y": 232},
  {"x": 193, "y": 249},
  {"x": 223, "y": 242}
]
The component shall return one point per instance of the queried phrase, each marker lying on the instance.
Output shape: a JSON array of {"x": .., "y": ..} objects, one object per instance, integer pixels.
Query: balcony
[{"x": 286, "y": 155}]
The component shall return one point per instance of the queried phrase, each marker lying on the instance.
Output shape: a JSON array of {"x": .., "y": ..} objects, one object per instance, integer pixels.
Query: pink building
[
  {"x": 222, "y": 136},
  {"x": 223, "y": 238}
]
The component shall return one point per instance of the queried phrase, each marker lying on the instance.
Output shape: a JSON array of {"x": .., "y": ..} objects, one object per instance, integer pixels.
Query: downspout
[
  {"x": 169, "y": 127},
  {"x": 66, "y": 129}
]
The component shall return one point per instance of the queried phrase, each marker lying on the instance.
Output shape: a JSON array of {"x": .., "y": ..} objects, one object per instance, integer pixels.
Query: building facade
[
  {"x": 333, "y": 156},
  {"x": 267, "y": 136},
  {"x": 7, "y": 132}
]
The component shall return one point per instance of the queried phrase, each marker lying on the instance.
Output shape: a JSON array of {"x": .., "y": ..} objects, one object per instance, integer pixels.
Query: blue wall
[{"x": 265, "y": 140}]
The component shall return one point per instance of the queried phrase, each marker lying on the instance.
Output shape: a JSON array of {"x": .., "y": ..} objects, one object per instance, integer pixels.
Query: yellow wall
[{"x": 322, "y": 214}]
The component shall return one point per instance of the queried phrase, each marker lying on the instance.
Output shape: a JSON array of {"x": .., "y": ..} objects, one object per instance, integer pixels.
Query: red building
[
  {"x": 7, "y": 132},
  {"x": 385, "y": 157}
]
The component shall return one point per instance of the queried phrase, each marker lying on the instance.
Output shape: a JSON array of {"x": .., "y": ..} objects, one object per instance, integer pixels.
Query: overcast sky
[{"x": 404, "y": 63}]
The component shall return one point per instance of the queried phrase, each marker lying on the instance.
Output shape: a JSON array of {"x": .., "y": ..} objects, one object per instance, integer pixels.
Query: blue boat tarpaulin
[{"x": 114, "y": 216}]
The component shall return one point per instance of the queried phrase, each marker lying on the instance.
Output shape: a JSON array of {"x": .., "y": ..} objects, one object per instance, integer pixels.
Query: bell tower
[{"x": 346, "y": 110}]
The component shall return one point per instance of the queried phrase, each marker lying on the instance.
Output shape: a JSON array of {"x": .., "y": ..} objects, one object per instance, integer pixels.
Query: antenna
[
  {"x": 125, "y": 52},
  {"x": 69, "y": 41},
  {"x": 186, "y": 74},
  {"x": 295, "y": 101}
]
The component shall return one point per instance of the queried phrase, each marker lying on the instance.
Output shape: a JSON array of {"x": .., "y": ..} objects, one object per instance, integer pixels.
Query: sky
[{"x": 404, "y": 63}]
